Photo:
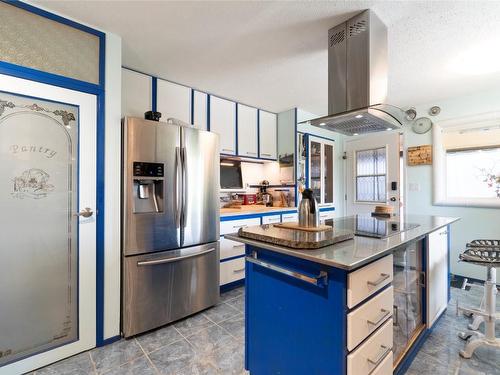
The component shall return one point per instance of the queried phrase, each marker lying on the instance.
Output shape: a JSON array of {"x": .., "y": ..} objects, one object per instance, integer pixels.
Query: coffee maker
[{"x": 265, "y": 196}]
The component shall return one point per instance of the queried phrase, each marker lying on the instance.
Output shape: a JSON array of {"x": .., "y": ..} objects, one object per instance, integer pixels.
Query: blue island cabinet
[
  {"x": 289, "y": 319},
  {"x": 304, "y": 317}
]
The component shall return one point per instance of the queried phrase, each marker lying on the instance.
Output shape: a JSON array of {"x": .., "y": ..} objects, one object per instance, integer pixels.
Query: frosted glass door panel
[
  {"x": 39, "y": 248},
  {"x": 315, "y": 172}
]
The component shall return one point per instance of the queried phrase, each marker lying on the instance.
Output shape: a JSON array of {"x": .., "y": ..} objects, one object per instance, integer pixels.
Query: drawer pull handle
[
  {"x": 385, "y": 350},
  {"x": 385, "y": 314},
  {"x": 239, "y": 226},
  {"x": 239, "y": 270},
  {"x": 264, "y": 154},
  {"x": 380, "y": 280},
  {"x": 251, "y": 153},
  {"x": 237, "y": 246},
  {"x": 320, "y": 280},
  {"x": 227, "y": 150}
]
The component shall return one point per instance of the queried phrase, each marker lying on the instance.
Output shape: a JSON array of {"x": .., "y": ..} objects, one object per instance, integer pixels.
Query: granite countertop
[
  {"x": 352, "y": 254},
  {"x": 253, "y": 209}
]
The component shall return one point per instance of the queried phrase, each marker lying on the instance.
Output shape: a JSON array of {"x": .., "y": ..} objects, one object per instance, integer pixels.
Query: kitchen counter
[
  {"x": 253, "y": 209},
  {"x": 355, "y": 253}
]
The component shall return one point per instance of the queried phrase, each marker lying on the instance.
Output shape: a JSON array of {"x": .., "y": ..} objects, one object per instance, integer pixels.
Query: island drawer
[
  {"x": 232, "y": 226},
  {"x": 232, "y": 270},
  {"x": 366, "y": 281},
  {"x": 273, "y": 219},
  {"x": 386, "y": 366},
  {"x": 372, "y": 353},
  {"x": 229, "y": 248},
  {"x": 287, "y": 218},
  {"x": 363, "y": 321}
]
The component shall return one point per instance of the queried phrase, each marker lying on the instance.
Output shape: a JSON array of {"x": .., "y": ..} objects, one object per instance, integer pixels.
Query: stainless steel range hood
[{"x": 357, "y": 78}]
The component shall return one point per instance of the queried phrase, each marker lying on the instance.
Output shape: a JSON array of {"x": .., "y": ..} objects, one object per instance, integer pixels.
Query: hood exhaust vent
[{"x": 357, "y": 78}]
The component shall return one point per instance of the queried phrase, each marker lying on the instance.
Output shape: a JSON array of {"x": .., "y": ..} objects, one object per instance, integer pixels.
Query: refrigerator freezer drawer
[{"x": 163, "y": 287}]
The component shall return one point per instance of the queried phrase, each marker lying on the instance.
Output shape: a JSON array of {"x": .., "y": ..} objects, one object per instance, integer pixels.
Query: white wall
[{"x": 475, "y": 222}]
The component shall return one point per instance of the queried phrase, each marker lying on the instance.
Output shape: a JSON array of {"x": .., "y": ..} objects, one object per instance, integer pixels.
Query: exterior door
[
  {"x": 373, "y": 173},
  {"x": 200, "y": 206},
  {"x": 47, "y": 252}
]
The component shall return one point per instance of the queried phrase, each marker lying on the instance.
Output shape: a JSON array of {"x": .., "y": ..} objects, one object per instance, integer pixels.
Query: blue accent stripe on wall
[
  {"x": 154, "y": 95},
  {"x": 192, "y": 106},
  {"x": 236, "y": 128},
  {"x": 296, "y": 155},
  {"x": 208, "y": 112},
  {"x": 258, "y": 133}
]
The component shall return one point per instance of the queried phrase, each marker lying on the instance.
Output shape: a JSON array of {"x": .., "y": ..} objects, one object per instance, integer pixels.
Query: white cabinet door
[
  {"x": 267, "y": 135},
  {"x": 173, "y": 100},
  {"x": 437, "y": 275},
  {"x": 200, "y": 110},
  {"x": 223, "y": 122},
  {"x": 247, "y": 131},
  {"x": 137, "y": 91}
]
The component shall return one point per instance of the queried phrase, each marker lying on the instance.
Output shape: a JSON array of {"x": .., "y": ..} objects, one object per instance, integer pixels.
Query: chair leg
[{"x": 476, "y": 323}]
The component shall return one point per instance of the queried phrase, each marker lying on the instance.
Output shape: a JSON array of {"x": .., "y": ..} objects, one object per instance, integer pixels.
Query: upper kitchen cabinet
[
  {"x": 200, "y": 107},
  {"x": 137, "y": 91},
  {"x": 223, "y": 122},
  {"x": 267, "y": 135},
  {"x": 247, "y": 131},
  {"x": 174, "y": 100}
]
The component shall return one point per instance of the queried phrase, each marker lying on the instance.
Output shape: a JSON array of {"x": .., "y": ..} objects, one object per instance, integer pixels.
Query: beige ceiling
[{"x": 274, "y": 54}]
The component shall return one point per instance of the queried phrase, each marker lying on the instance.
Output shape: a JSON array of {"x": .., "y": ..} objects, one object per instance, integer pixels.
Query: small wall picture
[{"x": 420, "y": 155}]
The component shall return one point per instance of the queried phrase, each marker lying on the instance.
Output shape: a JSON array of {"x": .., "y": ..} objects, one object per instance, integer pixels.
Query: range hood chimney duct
[{"x": 357, "y": 78}]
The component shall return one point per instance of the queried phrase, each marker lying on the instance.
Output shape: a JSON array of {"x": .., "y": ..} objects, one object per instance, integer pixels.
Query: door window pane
[
  {"x": 39, "y": 251},
  {"x": 371, "y": 183},
  {"x": 315, "y": 172},
  {"x": 328, "y": 173}
]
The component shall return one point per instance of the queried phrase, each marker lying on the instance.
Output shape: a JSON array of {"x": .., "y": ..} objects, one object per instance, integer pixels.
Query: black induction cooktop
[{"x": 368, "y": 226}]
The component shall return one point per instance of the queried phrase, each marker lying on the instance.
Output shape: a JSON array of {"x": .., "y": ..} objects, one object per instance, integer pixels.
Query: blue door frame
[{"x": 89, "y": 88}]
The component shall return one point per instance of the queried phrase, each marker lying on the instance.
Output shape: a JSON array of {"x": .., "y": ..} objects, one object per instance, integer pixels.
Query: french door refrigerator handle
[
  {"x": 173, "y": 259},
  {"x": 184, "y": 186},
  {"x": 177, "y": 187}
]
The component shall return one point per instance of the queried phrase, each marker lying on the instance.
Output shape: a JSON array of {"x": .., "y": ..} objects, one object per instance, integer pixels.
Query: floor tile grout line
[
  {"x": 226, "y": 330},
  {"x": 147, "y": 356},
  {"x": 121, "y": 364},
  {"x": 185, "y": 338}
]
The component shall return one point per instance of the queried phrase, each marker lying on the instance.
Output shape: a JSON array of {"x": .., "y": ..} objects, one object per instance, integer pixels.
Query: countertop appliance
[
  {"x": 170, "y": 223},
  {"x": 367, "y": 226},
  {"x": 357, "y": 78},
  {"x": 308, "y": 210},
  {"x": 265, "y": 196}
]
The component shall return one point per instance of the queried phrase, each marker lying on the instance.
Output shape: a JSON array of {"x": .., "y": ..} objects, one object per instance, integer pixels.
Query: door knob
[
  {"x": 86, "y": 212},
  {"x": 393, "y": 199}
]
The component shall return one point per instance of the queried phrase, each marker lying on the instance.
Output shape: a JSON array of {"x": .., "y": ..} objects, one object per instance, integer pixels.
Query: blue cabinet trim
[
  {"x": 232, "y": 258},
  {"x": 232, "y": 285},
  {"x": 154, "y": 94}
]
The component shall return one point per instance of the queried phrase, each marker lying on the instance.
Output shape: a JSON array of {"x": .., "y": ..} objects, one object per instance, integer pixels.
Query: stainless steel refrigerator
[{"x": 170, "y": 223}]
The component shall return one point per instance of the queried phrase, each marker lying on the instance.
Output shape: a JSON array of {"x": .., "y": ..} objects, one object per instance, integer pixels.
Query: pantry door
[
  {"x": 47, "y": 225},
  {"x": 373, "y": 172}
]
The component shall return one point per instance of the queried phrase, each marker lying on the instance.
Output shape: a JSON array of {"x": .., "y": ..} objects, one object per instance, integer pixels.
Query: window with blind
[{"x": 467, "y": 170}]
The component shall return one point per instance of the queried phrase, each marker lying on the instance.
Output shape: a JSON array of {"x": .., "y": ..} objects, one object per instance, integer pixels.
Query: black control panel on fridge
[{"x": 142, "y": 169}]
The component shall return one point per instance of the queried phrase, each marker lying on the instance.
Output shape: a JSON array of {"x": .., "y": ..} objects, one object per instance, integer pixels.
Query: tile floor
[{"x": 212, "y": 343}]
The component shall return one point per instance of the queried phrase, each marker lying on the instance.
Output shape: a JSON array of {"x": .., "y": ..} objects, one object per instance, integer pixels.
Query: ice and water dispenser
[{"x": 148, "y": 187}]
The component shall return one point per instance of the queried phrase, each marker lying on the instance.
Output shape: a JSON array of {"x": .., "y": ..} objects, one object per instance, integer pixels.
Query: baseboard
[{"x": 235, "y": 284}]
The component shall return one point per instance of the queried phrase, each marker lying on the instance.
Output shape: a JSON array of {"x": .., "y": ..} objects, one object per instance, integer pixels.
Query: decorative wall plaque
[
  {"x": 39, "y": 250},
  {"x": 420, "y": 155}
]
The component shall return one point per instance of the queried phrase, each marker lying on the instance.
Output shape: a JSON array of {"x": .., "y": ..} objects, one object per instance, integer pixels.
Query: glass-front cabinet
[
  {"x": 320, "y": 169},
  {"x": 408, "y": 293}
]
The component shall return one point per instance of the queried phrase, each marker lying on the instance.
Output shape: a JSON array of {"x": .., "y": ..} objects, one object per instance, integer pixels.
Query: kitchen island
[{"x": 358, "y": 307}]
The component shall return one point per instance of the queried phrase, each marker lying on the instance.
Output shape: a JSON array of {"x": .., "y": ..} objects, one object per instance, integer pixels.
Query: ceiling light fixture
[
  {"x": 388, "y": 129},
  {"x": 355, "y": 134},
  {"x": 322, "y": 124},
  {"x": 359, "y": 116}
]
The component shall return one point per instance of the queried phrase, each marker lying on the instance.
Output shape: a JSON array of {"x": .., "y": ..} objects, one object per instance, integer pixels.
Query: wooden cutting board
[{"x": 295, "y": 226}]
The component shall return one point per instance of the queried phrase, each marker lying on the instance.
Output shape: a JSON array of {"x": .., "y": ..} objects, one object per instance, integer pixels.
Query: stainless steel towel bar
[{"x": 321, "y": 279}]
